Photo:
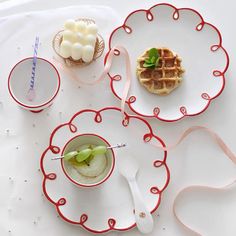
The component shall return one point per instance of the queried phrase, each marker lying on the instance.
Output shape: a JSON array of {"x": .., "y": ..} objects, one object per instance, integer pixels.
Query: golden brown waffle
[
  {"x": 99, "y": 47},
  {"x": 164, "y": 78}
]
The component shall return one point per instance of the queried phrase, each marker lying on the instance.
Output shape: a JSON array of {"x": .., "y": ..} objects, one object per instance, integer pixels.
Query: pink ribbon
[
  {"x": 106, "y": 70},
  {"x": 213, "y": 135},
  {"x": 127, "y": 85},
  {"x": 192, "y": 188},
  {"x": 223, "y": 147}
]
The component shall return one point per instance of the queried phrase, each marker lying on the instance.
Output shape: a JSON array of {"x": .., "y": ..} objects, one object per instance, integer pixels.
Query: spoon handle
[{"x": 143, "y": 217}]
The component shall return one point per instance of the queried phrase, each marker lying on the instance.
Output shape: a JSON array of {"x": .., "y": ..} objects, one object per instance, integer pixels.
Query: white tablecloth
[{"x": 24, "y": 135}]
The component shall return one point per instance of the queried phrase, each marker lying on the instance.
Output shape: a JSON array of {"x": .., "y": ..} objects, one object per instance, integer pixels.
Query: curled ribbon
[
  {"x": 213, "y": 135},
  {"x": 192, "y": 188},
  {"x": 106, "y": 70},
  {"x": 223, "y": 147}
]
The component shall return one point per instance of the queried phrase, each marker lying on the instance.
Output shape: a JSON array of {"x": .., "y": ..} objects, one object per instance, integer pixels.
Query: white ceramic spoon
[{"x": 128, "y": 167}]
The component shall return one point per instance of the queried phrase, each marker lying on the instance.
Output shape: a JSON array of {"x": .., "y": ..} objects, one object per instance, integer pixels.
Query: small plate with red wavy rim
[
  {"x": 197, "y": 42},
  {"x": 107, "y": 206}
]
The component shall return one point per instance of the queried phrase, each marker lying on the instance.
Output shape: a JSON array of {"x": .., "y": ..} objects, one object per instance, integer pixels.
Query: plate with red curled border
[
  {"x": 108, "y": 206},
  {"x": 196, "y": 41}
]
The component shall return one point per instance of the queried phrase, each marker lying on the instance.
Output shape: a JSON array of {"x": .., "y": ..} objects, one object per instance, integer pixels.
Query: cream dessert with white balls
[{"x": 78, "y": 40}]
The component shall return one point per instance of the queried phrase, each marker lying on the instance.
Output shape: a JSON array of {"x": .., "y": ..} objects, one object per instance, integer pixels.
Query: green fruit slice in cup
[
  {"x": 70, "y": 155},
  {"x": 83, "y": 155},
  {"x": 99, "y": 150}
]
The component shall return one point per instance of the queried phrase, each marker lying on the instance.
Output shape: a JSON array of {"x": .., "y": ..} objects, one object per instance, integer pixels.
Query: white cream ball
[
  {"x": 80, "y": 38},
  {"x": 80, "y": 26},
  {"x": 76, "y": 51},
  {"x": 70, "y": 36},
  {"x": 90, "y": 39},
  {"x": 65, "y": 49},
  {"x": 70, "y": 24},
  {"x": 92, "y": 29},
  {"x": 87, "y": 53}
]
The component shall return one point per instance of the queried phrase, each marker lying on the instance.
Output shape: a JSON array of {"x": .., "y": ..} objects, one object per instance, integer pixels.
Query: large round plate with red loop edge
[
  {"x": 197, "y": 42},
  {"x": 108, "y": 206}
]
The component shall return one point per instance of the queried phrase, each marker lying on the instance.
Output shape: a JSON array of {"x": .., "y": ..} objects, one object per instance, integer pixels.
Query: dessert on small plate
[
  {"x": 180, "y": 30},
  {"x": 159, "y": 70},
  {"x": 87, "y": 162},
  {"x": 79, "y": 43}
]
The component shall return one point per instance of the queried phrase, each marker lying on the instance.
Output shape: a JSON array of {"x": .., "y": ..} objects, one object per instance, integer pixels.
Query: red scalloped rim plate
[
  {"x": 109, "y": 205},
  {"x": 196, "y": 41}
]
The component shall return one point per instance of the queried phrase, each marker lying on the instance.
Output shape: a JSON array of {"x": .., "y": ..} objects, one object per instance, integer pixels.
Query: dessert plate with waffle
[{"x": 177, "y": 59}]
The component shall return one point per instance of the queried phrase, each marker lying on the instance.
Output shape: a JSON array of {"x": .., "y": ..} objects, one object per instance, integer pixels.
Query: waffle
[{"x": 164, "y": 78}]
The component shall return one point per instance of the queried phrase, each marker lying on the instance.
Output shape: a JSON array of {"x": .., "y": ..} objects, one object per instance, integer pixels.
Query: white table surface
[{"x": 23, "y": 209}]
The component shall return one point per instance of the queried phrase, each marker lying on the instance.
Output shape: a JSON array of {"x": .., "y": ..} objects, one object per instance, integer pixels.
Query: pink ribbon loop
[
  {"x": 192, "y": 188},
  {"x": 107, "y": 68},
  {"x": 212, "y": 134},
  {"x": 223, "y": 147}
]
